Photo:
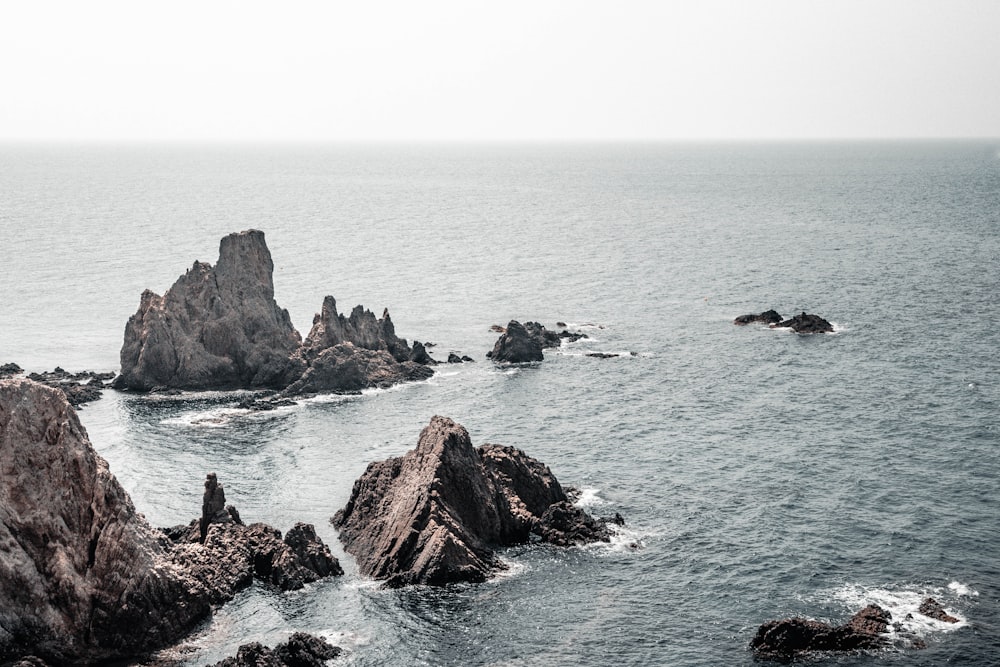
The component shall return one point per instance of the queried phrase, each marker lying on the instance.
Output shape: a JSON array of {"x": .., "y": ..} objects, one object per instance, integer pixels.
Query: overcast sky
[{"x": 425, "y": 71}]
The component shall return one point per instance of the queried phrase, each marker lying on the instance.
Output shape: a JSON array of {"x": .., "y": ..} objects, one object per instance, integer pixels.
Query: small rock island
[
  {"x": 220, "y": 328},
  {"x": 435, "y": 515}
]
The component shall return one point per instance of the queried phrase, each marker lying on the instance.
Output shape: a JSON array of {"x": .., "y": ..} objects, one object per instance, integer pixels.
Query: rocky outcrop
[
  {"x": 79, "y": 388},
  {"x": 767, "y": 317},
  {"x": 934, "y": 609},
  {"x": 9, "y": 370},
  {"x": 793, "y": 637},
  {"x": 301, "y": 650},
  {"x": 216, "y": 327},
  {"x": 225, "y": 556},
  {"x": 516, "y": 346},
  {"x": 523, "y": 343},
  {"x": 806, "y": 323},
  {"x": 83, "y": 577},
  {"x": 435, "y": 515},
  {"x": 220, "y": 328}
]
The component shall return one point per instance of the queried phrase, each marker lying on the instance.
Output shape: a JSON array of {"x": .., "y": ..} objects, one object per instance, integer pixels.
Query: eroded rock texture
[
  {"x": 216, "y": 327},
  {"x": 220, "y": 328},
  {"x": 435, "y": 515},
  {"x": 82, "y": 576}
]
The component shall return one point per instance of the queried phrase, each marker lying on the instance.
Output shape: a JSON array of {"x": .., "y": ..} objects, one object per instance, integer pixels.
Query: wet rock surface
[
  {"x": 435, "y": 515},
  {"x": 806, "y": 323},
  {"x": 793, "y": 637},
  {"x": 934, "y": 609},
  {"x": 220, "y": 328},
  {"x": 767, "y": 317},
  {"x": 83, "y": 577},
  {"x": 523, "y": 343},
  {"x": 301, "y": 650}
]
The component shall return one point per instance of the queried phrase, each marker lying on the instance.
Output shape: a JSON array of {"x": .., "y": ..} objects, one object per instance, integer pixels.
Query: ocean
[{"x": 762, "y": 474}]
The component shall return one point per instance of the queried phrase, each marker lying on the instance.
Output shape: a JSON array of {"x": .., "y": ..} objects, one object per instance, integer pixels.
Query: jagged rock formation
[
  {"x": 806, "y": 324},
  {"x": 83, "y": 577},
  {"x": 301, "y": 650},
  {"x": 225, "y": 555},
  {"x": 523, "y": 343},
  {"x": 220, "y": 328},
  {"x": 434, "y": 515},
  {"x": 793, "y": 637},
  {"x": 767, "y": 317},
  {"x": 216, "y": 327}
]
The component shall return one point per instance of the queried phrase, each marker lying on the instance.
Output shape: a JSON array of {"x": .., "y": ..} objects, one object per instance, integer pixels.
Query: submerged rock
[
  {"x": 806, "y": 323},
  {"x": 435, "y": 515},
  {"x": 792, "y": 637},
  {"x": 220, "y": 328},
  {"x": 301, "y": 650},
  {"x": 767, "y": 317},
  {"x": 83, "y": 576}
]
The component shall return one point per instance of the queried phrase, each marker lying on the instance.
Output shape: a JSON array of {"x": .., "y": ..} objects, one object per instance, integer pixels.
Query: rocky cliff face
[
  {"x": 220, "y": 328},
  {"x": 216, "y": 327},
  {"x": 82, "y": 575},
  {"x": 434, "y": 515}
]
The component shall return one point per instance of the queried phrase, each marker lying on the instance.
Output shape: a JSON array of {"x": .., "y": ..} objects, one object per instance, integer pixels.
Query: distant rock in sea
[
  {"x": 523, "y": 343},
  {"x": 301, "y": 650},
  {"x": 83, "y": 576},
  {"x": 794, "y": 637},
  {"x": 767, "y": 317},
  {"x": 79, "y": 388},
  {"x": 806, "y": 323},
  {"x": 435, "y": 515},
  {"x": 220, "y": 328}
]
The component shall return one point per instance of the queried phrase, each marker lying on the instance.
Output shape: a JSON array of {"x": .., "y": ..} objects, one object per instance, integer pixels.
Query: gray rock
[
  {"x": 806, "y": 323},
  {"x": 767, "y": 317},
  {"x": 220, "y": 328},
  {"x": 435, "y": 515},
  {"x": 301, "y": 650},
  {"x": 216, "y": 327},
  {"x": 516, "y": 346},
  {"x": 83, "y": 577}
]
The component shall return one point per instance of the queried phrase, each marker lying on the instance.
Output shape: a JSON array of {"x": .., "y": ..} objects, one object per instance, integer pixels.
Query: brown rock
[
  {"x": 434, "y": 515},
  {"x": 934, "y": 609},
  {"x": 83, "y": 577},
  {"x": 795, "y": 636}
]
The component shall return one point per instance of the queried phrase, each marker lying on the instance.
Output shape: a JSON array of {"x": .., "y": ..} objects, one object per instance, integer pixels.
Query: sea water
[{"x": 761, "y": 473}]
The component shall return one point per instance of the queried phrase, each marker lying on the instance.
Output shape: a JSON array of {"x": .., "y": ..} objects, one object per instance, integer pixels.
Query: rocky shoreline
[{"x": 83, "y": 576}]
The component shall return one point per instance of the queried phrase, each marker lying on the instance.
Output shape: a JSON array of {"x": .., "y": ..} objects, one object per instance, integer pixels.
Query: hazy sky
[{"x": 371, "y": 70}]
